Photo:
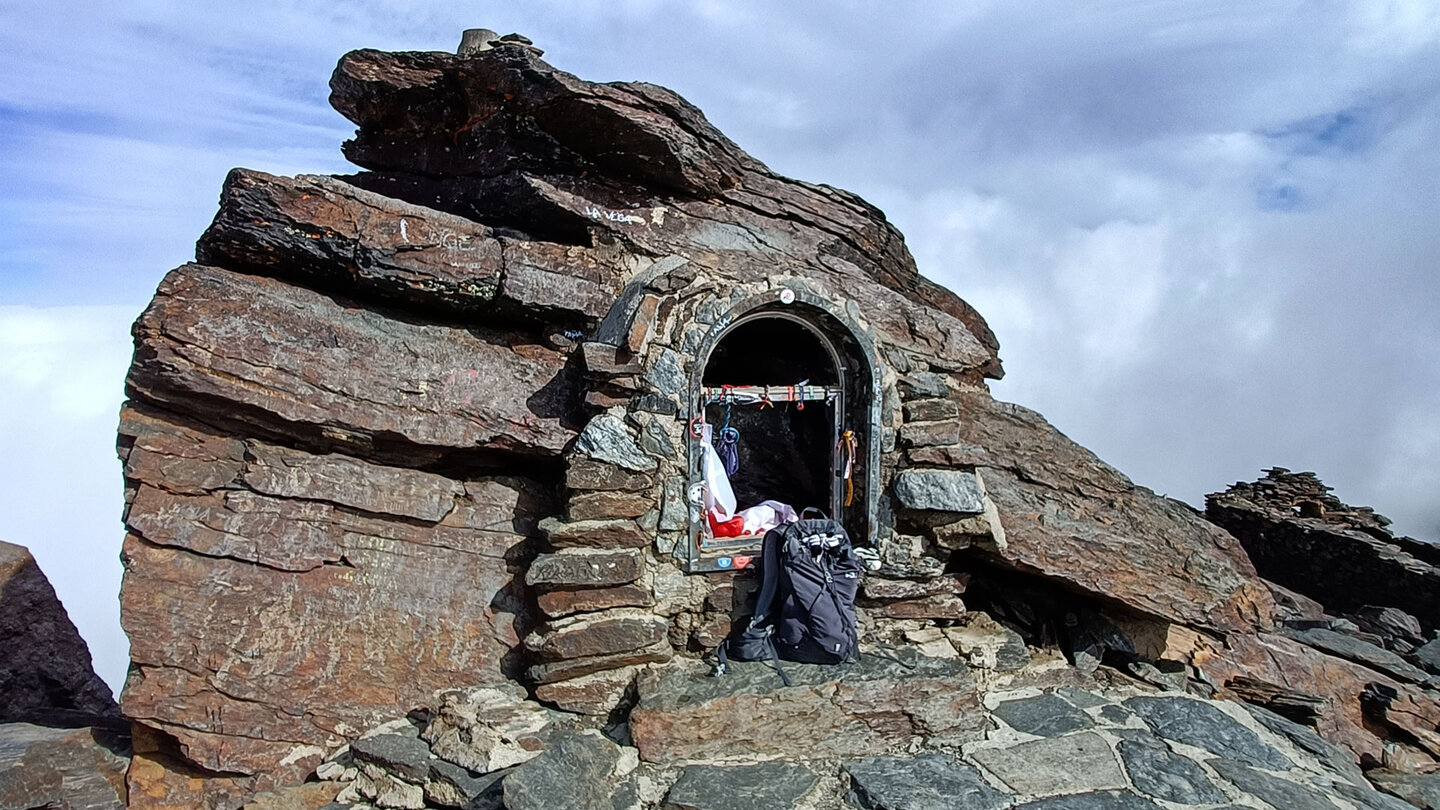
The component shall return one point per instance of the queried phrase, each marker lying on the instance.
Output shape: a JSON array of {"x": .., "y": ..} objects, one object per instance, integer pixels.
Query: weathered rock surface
[
  {"x": 1361, "y": 652},
  {"x": 1345, "y": 721},
  {"x": 1419, "y": 789},
  {"x": 62, "y": 768},
  {"x": 322, "y": 371},
  {"x": 485, "y": 729},
  {"x": 45, "y": 673},
  {"x": 350, "y": 588},
  {"x": 877, "y": 706},
  {"x": 1074, "y": 518}
]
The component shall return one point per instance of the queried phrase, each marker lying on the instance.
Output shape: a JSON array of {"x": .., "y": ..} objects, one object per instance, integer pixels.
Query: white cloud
[{"x": 61, "y": 383}]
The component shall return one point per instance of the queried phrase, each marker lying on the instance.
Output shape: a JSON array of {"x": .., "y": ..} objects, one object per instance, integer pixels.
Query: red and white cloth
[{"x": 725, "y": 521}]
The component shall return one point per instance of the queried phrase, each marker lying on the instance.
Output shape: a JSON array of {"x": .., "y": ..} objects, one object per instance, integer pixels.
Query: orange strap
[{"x": 847, "y": 448}]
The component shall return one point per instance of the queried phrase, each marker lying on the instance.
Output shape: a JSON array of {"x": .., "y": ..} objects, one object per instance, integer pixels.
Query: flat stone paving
[
  {"x": 1199, "y": 723},
  {"x": 1095, "y": 752},
  {"x": 928, "y": 782},
  {"x": 1031, "y": 749},
  {"x": 1047, "y": 715},
  {"x": 1074, "y": 763},
  {"x": 1157, "y": 771},
  {"x": 741, "y": 787}
]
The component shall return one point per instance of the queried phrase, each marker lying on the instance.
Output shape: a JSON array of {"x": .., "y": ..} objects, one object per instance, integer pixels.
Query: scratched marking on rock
[{"x": 613, "y": 216}]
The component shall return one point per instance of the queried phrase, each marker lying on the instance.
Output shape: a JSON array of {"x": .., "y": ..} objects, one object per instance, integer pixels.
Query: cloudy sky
[{"x": 1207, "y": 234}]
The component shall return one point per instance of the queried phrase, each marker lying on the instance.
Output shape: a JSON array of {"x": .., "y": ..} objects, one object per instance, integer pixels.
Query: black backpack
[{"x": 806, "y": 607}]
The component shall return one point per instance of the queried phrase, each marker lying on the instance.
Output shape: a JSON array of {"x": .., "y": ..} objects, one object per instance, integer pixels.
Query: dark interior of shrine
[{"x": 784, "y": 450}]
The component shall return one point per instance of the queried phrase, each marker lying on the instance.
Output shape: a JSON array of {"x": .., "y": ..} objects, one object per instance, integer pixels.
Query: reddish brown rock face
[
  {"x": 317, "y": 368},
  {"x": 305, "y": 596},
  {"x": 1072, "y": 517},
  {"x": 1343, "y": 719}
]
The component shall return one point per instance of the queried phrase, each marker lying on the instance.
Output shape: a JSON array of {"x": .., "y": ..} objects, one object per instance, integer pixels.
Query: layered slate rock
[
  {"x": 66, "y": 768},
  {"x": 1361, "y": 652},
  {"x": 1074, "y": 518},
  {"x": 1346, "y": 720},
  {"x": 45, "y": 674},
  {"x": 1420, "y": 790},
  {"x": 360, "y": 378},
  {"x": 341, "y": 586}
]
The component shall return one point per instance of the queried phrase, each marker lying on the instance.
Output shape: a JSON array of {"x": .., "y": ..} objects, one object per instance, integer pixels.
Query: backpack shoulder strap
[{"x": 769, "y": 575}]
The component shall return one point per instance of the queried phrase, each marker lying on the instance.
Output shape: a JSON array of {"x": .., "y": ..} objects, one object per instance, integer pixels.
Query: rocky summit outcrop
[
  {"x": 1360, "y": 615},
  {"x": 1304, "y": 538},
  {"x": 426, "y": 438},
  {"x": 45, "y": 671}
]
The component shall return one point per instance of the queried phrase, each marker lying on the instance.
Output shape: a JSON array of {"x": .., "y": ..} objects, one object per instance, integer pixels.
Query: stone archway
[{"x": 796, "y": 452}]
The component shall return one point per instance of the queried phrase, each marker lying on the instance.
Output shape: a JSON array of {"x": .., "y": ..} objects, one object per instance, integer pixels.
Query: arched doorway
[{"x": 789, "y": 388}]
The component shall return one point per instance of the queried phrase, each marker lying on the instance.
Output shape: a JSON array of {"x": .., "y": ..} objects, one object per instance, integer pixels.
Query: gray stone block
[
  {"x": 928, "y": 782},
  {"x": 606, "y": 439},
  {"x": 1162, "y": 774},
  {"x": 740, "y": 787},
  {"x": 939, "y": 491},
  {"x": 1046, "y": 715},
  {"x": 1197, "y": 723},
  {"x": 402, "y": 755}
]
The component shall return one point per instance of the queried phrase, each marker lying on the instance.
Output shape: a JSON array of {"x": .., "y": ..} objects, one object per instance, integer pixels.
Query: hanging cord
[
  {"x": 847, "y": 448},
  {"x": 729, "y": 449}
]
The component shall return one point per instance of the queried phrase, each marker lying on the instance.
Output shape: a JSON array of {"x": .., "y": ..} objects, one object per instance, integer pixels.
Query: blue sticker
[{"x": 723, "y": 562}]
